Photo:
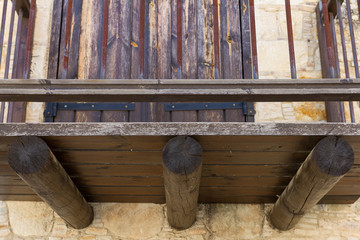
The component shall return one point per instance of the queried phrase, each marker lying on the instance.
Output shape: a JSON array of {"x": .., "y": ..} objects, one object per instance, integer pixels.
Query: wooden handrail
[{"x": 225, "y": 90}]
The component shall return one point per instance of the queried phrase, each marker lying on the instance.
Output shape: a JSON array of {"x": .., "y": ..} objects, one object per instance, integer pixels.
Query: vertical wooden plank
[
  {"x": 137, "y": 52},
  {"x": 55, "y": 39},
  {"x": 73, "y": 67},
  {"x": 206, "y": 51},
  {"x": 17, "y": 113},
  {"x": 246, "y": 39},
  {"x": 29, "y": 40},
  {"x": 62, "y": 72},
  {"x": 231, "y": 54},
  {"x": 187, "y": 36},
  {"x": 118, "y": 45},
  {"x": 163, "y": 51},
  {"x": 69, "y": 49},
  {"x": 16, "y": 61},
  {"x": 66, "y": 47},
  {"x": 2, "y": 32},
  {"x": 174, "y": 39},
  {"x": 150, "y": 53},
  {"x": 91, "y": 40},
  {"x": 7, "y": 65},
  {"x": 253, "y": 40}
]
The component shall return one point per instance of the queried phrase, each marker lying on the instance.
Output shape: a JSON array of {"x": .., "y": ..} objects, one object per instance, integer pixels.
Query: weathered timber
[
  {"x": 327, "y": 163},
  {"x": 184, "y": 90},
  {"x": 34, "y": 162},
  {"x": 175, "y": 129},
  {"x": 182, "y": 164}
]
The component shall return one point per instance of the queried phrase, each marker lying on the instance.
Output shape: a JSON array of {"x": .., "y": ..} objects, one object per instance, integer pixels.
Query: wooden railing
[{"x": 23, "y": 16}]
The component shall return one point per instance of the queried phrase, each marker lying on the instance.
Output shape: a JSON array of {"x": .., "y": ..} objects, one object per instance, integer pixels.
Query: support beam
[
  {"x": 33, "y": 161},
  {"x": 182, "y": 163},
  {"x": 327, "y": 163}
]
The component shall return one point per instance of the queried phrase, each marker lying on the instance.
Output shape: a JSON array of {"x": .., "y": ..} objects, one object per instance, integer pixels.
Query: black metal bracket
[
  {"x": 249, "y": 111},
  {"x": 52, "y": 108},
  {"x": 201, "y": 106}
]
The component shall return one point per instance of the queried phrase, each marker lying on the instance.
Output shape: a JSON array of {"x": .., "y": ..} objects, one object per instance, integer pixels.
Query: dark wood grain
[
  {"x": 328, "y": 162},
  {"x": 182, "y": 164},
  {"x": 34, "y": 162}
]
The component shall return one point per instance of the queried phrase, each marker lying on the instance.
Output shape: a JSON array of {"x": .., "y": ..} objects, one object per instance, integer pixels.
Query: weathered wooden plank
[
  {"x": 179, "y": 90},
  {"x": 118, "y": 50},
  {"x": 69, "y": 45},
  {"x": 184, "y": 50},
  {"x": 206, "y": 132},
  {"x": 90, "y": 50},
  {"x": 208, "y": 51},
  {"x": 162, "y": 48},
  {"x": 231, "y": 54},
  {"x": 55, "y": 39},
  {"x": 17, "y": 110}
]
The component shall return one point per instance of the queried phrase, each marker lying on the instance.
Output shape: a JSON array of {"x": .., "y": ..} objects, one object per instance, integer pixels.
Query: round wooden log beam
[
  {"x": 182, "y": 164},
  {"x": 327, "y": 163},
  {"x": 33, "y": 161}
]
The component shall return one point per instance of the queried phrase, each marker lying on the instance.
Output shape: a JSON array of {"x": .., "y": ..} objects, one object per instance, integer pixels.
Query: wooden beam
[
  {"x": 182, "y": 164},
  {"x": 34, "y": 162},
  {"x": 327, "y": 163},
  {"x": 176, "y": 129},
  {"x": 224, "y": 90}
]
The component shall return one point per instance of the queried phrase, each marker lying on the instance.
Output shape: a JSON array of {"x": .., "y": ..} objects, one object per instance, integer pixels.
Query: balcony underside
[{"x": 122, "y": 162}]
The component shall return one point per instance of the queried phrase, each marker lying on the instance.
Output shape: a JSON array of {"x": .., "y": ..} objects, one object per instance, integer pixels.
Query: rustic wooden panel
[
  {"x": 118, "y": 51},
  {"x": 231, "y": 54},
  {"x": 90, "y": 50},
  {"x": 184, "y": 49},
  {"x": 208, "y": 38}
]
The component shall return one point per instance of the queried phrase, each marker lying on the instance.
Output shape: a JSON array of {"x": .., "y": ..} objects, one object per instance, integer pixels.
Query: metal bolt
[
  {"x": 172, "y": 106},
  {"x": 65, "y": 106},
  {"x": 126, "y": 106},
  {"x": 92, "y": 106},
  {"x": 234, "y": 105},
  {"x": 206, "y": 106}
]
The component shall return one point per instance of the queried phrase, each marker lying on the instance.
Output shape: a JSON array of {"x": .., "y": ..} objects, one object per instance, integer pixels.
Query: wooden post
[
  {"x": 327, "y": 163},
  {"x": 182, "y": 162},
  {"x": 33, "y": 161}
]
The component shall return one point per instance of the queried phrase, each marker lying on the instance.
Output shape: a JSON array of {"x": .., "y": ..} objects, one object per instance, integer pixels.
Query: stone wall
[
  {"x": 31, "y": 220},
  {"x": 34, "y": 220}
]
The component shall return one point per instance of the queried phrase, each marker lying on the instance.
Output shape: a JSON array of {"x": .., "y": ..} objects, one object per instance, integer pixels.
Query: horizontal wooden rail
[
  {"x": 176, "y": 129},
  {"x": 263, "y": 90}
]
